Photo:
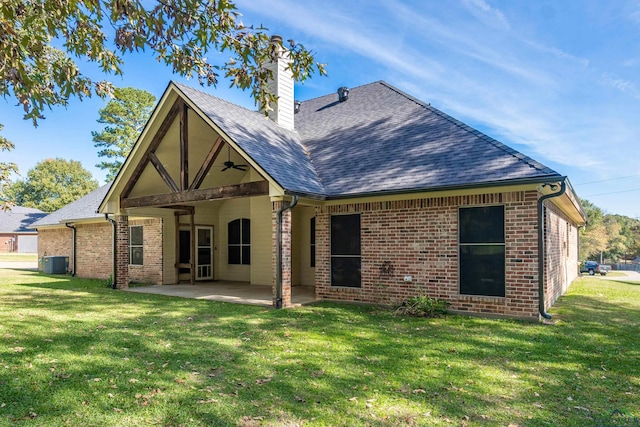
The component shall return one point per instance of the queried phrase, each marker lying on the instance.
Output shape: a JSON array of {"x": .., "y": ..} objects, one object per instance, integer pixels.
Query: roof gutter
[
  {"x": 541, "y": 240},
  {"x": 73, "y": 247},
  {"x": 490, "y": 184},
  {"x": 278, "y": 302},
  {"x": 113, "y": 222}
]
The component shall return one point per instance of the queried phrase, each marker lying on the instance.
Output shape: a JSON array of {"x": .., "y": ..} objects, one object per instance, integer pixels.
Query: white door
[{"x": 204, "y": 253}]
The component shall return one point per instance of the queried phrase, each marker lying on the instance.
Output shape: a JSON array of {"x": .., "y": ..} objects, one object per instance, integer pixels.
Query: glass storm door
[{"x": 204, "y": 253}]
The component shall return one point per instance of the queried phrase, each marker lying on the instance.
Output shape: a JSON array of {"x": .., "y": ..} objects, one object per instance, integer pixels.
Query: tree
[
  {"x": 6, "y": 169},
  {"x": 125, "y": 116},
  {"x": 39, "y": 74},
  {"x": 593, "y": 238},
  {"x": 52, "y": 184}
]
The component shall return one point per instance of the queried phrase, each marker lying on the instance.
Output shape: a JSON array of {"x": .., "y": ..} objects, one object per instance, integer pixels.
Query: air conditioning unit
[{"x": 55, "y": 264}]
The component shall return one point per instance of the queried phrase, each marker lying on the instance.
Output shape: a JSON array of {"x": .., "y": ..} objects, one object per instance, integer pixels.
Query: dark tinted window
[
  {"x": 482, "y": 225},
  {"x": 482, "y": 251},
  {"x": 312, "y": 239},
  {"x": 239, "y": 241},
  {"x": 345, "y": 251}
]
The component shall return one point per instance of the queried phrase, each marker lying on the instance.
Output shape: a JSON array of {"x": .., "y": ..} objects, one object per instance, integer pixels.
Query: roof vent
[
  {"x": 343, "y": 94},
  {"x": 296, "y": 107}
]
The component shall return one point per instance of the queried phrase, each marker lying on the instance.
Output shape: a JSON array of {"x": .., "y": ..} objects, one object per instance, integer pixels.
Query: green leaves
[
  {"x": 180, "y": 34},
  {"x": 125, "y": 116},
  {"x": 52, "y": 184}
]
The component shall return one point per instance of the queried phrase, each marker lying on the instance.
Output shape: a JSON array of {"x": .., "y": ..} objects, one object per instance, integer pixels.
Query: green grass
[
  {"x": 73, "y": 352},
  {"x": 17, "y": 257}
]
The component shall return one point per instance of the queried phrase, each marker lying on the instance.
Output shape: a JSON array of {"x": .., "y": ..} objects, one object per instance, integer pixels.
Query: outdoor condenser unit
[{"x": 55, "y": 264}]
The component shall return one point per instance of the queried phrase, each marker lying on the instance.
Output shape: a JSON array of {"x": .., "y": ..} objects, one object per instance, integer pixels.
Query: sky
[{"x": 557, "y": 81}]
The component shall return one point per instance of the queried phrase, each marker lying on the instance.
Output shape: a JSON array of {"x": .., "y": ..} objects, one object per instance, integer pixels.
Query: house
[
  {"x": 369, "y": 195},
  {"x": 15, "y": 234},
  {"x": 79, "y": 232}
]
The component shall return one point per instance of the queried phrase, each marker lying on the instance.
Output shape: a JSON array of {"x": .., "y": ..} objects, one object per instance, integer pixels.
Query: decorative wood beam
[
  {"x": 206, "y": 165},
  {"x": 248, "y": 189},
  {"x": 163, "y": 172},
  {"x": 155, "y": 142},
  {"x": 184, "y": 148}
]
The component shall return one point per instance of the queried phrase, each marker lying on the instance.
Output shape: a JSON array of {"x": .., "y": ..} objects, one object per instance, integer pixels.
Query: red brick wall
[
  {"x": 561, "y": 262},
  {"x": 94, "y": 249},
  {"x": 54, "y": 242},
  {"x": 7, "y": 247},
  {"x": 152, "y": 269},
  {"x": 420, "y": 238},
  {"x": 286, "y": 253}
]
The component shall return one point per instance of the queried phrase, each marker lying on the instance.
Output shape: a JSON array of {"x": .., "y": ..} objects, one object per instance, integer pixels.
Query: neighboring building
[
  {"x": 369, "y": 195},
  {"x": 15, "y": 234}
]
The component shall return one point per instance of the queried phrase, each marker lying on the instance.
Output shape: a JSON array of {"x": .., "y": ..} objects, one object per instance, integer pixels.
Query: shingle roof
[
  {"x": 18, "y": 219},
  {"x": 380, "y": 140},
  {"x": 82, "y": 209},
  {"x": 277, "y": 150},
  {"x": 383, "y": 140}
]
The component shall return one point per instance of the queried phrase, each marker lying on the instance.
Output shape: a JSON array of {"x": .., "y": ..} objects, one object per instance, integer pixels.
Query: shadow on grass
[{"x": 83, "y": 351}]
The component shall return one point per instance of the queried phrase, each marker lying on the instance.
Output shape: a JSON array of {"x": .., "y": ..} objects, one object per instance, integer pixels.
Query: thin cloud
[{"x": 488, "y": 14}]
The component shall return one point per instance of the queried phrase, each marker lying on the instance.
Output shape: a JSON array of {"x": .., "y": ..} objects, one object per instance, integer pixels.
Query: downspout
[
  {"x": 279, "y": 250},
  {"x": 73, "y": 248},
  {"x": 113, "y": 222},
  {"x": 541, "y": 248}
]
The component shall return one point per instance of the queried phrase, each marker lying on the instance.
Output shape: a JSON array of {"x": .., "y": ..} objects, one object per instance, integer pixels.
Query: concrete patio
[{"x": 234, "y": 292}]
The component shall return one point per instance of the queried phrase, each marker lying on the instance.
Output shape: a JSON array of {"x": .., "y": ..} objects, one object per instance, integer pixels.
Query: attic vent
[
  {"x": 343, "y": 94},
  {"x": 296, "y": 107}
]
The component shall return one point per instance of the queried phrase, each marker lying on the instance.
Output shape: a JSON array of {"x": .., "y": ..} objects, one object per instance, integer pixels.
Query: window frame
[
  {"x": 334, "y": 257},
  {"x": 139, "y": 246},
  {"x": 467, "y": 245},
  {"x": 243, "y": 244}
]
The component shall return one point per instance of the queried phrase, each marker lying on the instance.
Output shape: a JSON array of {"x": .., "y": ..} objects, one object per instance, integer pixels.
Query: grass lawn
[
  {"x": 17, "y": 257},
  {"x": 73, "y": 352}
]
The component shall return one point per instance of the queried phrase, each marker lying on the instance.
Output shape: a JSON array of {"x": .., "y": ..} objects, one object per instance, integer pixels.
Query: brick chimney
[{"x": 282, "y": 86}]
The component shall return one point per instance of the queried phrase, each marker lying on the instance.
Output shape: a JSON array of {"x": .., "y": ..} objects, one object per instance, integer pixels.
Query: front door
[{"x": 204, "y": 253}]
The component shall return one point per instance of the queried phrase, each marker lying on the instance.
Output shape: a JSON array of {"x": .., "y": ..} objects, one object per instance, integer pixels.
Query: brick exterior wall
[
  {"x": 152, "y": 269},
  {"x": 286, "y": 253},
  {"x": 54, "y": 242},
  {"x": 561, "y": 262},
  {"x": 121, "y": 279},
  {"x": 94, "y": 249},
  {"x": 420, "y": 238}
]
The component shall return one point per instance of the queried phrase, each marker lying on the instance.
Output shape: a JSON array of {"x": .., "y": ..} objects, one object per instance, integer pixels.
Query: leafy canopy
[
  {"x": 125, "y": 117},
  {"x": 52, "y": 184},
  {"x": 42, "y": 42},
  {"x": 6, "y": 169}
]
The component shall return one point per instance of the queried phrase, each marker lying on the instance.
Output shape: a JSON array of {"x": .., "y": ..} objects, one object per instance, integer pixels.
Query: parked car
[
  {"x": 589, "y": 267},
  {"x": 603, "y": 269}
]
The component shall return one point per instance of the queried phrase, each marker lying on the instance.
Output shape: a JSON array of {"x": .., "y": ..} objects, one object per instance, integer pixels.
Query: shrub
[{"x": 424, "y": 306}]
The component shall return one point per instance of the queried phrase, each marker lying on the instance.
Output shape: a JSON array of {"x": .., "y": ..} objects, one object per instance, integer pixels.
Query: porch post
[
  {"x": 285, "y": 258},
  {"x": 122, "y": 252}
]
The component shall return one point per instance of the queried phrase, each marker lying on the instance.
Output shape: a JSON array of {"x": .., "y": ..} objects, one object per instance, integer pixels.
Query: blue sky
[{"x": 558, "y": 81}]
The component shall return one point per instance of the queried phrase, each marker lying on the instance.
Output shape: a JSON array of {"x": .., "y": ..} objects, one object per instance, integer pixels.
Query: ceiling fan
[{"x": 231, "y": 165}]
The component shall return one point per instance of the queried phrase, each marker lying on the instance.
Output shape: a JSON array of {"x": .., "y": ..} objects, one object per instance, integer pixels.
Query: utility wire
[
  {"x": 613, "y": 192},
  {"x": 610, "y": 179}
]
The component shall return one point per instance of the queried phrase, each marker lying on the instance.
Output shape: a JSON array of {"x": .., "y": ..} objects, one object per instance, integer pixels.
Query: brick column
[
  {"x": 286, "y": 254},
  {"x": 122, "y": 252}
]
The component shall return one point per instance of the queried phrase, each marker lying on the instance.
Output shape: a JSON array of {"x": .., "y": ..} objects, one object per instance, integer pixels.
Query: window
[
  {"x": 136, "y": 248},
  {"x": 345, "y": 251},
  {"x": 482, "y": 251},
  {"x": 312, "y": 239},
  {"x": 239, "y": 240}
]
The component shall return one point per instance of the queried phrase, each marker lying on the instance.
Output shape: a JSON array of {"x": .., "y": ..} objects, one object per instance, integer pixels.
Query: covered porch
[{"x": 229, "y": 291}]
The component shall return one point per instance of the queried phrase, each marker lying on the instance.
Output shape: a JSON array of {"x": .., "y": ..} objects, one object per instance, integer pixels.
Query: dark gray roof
[
  {"x": 18, "y": 219},
  {"x": 277, "y": 150},
  {"x": 380, "y": 140},
  {"x": 383, "y": 140},
  {"x": 82, "y": 209}
]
